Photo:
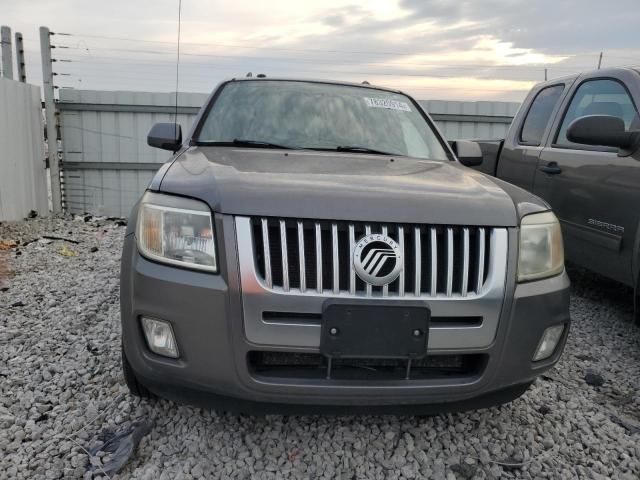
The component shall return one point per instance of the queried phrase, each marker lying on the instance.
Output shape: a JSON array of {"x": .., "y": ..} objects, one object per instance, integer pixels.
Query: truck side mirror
[
  {"x": 467, "y": 152},
  {"x": 167, "y": 136},
  {"x": 604, "y": 130}
]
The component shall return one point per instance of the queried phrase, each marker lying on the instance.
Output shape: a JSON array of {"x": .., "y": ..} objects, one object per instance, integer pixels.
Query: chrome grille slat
[
  {"x": 315, "y": 257},
  {"x": 449, "y": 261},
  {"x": 465, "y": 262},
  {"x": 434, "y": 261},
  {"x": 266, "y": 253},
  {"x": 481, "y": 248},
  {"x": 318, "y": 257},
  {"x": 368, "y": 288},
  {"x": 285, "y": 256},
  {"x": 303, "y": 273},
  {"x": 417, "y": 255},
  {"x": 352, "y": 272},
  {"x": 401, "y": 277},
  {"x": 385, "y": 288},
  {"x": 336, "y": 260}
]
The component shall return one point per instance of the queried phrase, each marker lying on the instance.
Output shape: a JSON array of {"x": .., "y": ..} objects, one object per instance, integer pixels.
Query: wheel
[{"x": 135, "y": 387}]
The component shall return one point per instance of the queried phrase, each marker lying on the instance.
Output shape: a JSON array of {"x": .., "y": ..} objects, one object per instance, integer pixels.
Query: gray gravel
[{"x": 61, "y": 386}]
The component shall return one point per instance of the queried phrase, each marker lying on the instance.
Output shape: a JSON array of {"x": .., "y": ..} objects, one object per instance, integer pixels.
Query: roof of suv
[{"x": 305, "y": 80}]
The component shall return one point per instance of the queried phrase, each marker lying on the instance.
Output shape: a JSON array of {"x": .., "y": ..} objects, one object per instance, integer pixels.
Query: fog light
[
  {"x": 160, "y": 337},
  {"x": 548, "y": 342}
]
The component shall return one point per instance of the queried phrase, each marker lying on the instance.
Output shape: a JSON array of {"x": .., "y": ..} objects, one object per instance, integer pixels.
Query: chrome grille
[{"x": 311, "y": 256}]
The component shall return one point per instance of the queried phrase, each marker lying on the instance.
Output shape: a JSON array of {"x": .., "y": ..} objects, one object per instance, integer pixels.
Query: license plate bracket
[{"x": 375, "y": 330}]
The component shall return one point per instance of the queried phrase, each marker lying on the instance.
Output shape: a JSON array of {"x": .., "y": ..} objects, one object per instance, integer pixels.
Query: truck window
[
  {"x": 539, "y": 114},
  {"x": 597, "y": 97}
]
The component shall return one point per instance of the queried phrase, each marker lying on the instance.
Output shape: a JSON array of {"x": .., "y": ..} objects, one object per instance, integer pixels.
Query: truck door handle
[{"x": 551, "y": 168}]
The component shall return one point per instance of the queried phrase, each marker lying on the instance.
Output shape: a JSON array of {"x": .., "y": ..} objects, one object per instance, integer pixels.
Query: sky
[{"x": 432, "y": 49}]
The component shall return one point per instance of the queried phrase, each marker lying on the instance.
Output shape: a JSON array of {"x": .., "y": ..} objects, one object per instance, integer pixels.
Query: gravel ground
[{"x": 61, "y": 386}]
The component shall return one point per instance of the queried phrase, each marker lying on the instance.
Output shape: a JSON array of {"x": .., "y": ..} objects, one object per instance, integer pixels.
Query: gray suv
[{"x": 318, "y": 246}]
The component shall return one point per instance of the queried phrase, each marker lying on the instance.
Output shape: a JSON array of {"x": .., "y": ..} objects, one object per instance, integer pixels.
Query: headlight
[
  {"x": 176, "y": 230},
  {"x": 541, "y": 252}
]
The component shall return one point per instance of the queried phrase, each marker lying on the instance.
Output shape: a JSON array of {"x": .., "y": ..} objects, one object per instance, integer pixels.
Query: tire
[{"x": 135, "y": 387}]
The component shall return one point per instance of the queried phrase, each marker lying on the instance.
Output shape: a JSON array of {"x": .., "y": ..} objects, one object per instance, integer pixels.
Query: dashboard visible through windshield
[{"x": 318, "y": 116}]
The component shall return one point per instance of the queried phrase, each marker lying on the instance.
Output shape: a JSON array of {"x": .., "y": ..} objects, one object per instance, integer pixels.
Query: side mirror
[
  {"x": 604, "y": 130},
  {"x": 468, "y": 152},
  {"x": 167, "y": 136}
]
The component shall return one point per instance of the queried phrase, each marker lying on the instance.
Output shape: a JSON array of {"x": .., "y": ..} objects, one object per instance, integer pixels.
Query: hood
[{"x": 338, "y": 186}]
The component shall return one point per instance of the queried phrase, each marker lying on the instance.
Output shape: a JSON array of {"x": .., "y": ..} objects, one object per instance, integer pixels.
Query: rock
[
  {"x": 544, "y": 409},
  {"x": 464, "y": 470},
  {"x": 593, "y": 378}
]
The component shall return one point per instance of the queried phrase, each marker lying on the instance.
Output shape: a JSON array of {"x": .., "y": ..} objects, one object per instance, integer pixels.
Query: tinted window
[
  {"x": 539, "y": 114},
  {"x": 597, "y": 97},
  {"x": 320, "y": 116}
]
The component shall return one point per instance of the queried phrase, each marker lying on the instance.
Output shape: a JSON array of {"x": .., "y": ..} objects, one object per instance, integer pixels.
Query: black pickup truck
[{"x": 574, "y": 142}]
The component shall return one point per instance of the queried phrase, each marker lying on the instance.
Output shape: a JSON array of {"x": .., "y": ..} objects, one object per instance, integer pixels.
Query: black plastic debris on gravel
[{"x": 121, "y": 446}]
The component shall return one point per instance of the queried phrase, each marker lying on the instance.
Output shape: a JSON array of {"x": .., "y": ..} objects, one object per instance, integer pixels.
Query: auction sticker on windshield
[{"x": 387, "y": 103}]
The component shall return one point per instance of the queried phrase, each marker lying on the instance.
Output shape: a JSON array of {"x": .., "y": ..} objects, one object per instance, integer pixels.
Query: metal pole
[
  {"x": 7, "y": 60},
  {"x": 545, "y": 74},
  {"x": 22, "y": 73},
  {"x": 50, "y": 113},
  {"x": 600, "y": 61}
]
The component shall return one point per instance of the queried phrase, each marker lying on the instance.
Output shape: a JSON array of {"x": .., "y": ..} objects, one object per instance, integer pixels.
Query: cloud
[
  {"x": 548, "y": 25},
  {"x": 464, "y": 49}
]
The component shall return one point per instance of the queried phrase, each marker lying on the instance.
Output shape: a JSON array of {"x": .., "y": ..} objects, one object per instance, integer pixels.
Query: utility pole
[
  {"x": 22, "y": 73},
  {"x": 600, "y": 61},
  {"x": 51, "y": 118},
  {"x": 7, "y": 61},
  {"x": 545, "y": 74}
]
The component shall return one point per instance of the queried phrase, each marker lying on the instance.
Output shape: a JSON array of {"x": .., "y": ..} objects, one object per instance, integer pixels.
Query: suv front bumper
[{"x": 206, "y": 314}]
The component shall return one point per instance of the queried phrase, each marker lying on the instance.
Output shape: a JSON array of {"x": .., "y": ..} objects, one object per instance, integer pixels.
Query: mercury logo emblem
[{"x": 377, "y": 259}]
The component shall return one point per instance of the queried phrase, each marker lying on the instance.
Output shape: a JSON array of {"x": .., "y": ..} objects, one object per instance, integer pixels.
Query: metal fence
[
  {"x": 471, "y": 120},
  {"x": 107, "y": 163},
  {"x": 23, "y": 183}
]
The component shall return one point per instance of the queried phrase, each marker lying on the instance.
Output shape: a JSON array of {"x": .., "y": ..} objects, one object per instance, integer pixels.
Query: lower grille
[
  {"x": 316, "y": 257},
  {"x": 315, "y": 366}
]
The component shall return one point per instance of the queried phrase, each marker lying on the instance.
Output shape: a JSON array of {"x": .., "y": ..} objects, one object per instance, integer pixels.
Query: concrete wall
[
  {"x": 23, "y": 181},
  {"x": 107, "y": 163}
]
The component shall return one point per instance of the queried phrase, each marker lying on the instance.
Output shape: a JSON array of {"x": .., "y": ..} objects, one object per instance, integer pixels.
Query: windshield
[{"x": 321, "y": 116}]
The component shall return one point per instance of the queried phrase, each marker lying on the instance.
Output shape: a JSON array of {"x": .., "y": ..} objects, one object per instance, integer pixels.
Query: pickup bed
[{"x": 574, "y": 143}]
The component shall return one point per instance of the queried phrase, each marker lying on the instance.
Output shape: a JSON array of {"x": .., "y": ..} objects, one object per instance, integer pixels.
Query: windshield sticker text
[{"x": 387, "y": 103}]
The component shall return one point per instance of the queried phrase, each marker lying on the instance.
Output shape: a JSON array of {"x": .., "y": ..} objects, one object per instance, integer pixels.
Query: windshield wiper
[
  {"x": 241, "y": 142},
  {"x": 354, "y": 149}
]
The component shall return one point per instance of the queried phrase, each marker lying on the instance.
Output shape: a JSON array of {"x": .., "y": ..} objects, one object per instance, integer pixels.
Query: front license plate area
[{"x": 374, "y": 331}]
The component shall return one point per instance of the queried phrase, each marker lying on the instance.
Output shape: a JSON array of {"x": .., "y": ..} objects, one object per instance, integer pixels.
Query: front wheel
[{"x": 135, "y": 387}]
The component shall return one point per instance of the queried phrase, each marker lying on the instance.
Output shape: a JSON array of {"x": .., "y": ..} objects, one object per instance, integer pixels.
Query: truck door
[
  {"x": 519, "y": 157},
  {"x": 594, "y": 192}
]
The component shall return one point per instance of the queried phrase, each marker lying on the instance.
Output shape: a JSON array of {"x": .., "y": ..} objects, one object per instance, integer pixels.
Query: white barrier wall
[{"x": 23, "y": 181}]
